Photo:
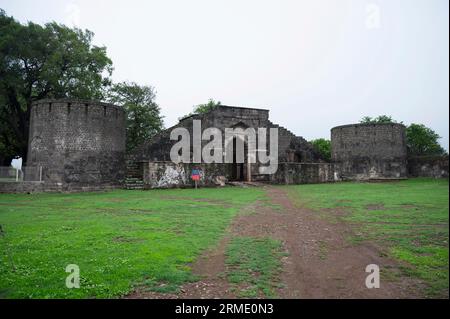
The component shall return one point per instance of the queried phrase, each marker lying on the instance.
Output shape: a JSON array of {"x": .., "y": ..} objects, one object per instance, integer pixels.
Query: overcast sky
[{"x": 314, "y": 63}]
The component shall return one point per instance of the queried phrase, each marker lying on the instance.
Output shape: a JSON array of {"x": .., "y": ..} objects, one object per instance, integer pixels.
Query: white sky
[{"x": 314, "y": 63}]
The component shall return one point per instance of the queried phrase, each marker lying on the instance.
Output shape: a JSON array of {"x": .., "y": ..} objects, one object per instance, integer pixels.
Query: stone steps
[
  {"x": 134, "y": 185},
  {"x": 134, "y": 178},
  {"x": 245, "y": 184},
  {"x": 287, "y": 139},
  {"x": 260, "y": 178}
]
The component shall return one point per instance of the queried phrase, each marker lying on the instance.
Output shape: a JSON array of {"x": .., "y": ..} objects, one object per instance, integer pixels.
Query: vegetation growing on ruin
[
  {"x": 381, "y": 119},
  {"x": 203, "y": 108}
]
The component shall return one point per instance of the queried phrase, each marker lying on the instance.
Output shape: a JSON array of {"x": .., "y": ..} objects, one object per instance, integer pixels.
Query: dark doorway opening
[
  {"x": 237, "y": 169},
  {"x": 238, "y": 172}
]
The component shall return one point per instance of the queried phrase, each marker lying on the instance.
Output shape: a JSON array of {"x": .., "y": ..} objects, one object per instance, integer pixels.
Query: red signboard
[{"x": 195, "y": 174}]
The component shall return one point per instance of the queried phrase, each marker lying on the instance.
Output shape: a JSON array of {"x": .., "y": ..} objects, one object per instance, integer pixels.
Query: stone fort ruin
[
  {"x": 298, "y": 161},
  {"x": 369, "y": 151},
  {"x": 80, "y": 145}
]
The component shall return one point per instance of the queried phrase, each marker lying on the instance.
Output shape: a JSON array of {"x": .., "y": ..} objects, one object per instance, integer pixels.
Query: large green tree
[
  {"x": 422, "y": 140},
  {"x": 143, "y": 114},
  {"x": 323, "y": 146},
  {"x": 36, "y": 62}
]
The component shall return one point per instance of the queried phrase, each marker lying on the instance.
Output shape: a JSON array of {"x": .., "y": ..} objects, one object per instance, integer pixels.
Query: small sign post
[{"x": 195, "y": 175}]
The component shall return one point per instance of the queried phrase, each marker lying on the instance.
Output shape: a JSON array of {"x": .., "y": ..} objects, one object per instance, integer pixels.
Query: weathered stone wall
[
  {"x": 21, "y": 187},
  {"x": 169, "y": 174},
  {"x": 291, "y": 148},
  {"x": 369, "y": 151},
  {"x": 39, "y": 187},
  {"x": 78, "y": 143},
  {"x": 158, "y": 148},
  {"x": 428, "y": 166},
  {"x": 303, "y": 173}
]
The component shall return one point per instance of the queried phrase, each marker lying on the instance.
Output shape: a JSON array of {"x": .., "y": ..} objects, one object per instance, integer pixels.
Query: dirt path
[{"x": 320, "y": 262}]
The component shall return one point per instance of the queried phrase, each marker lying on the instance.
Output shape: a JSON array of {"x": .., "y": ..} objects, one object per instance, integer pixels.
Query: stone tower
[
  {"x": 369, "y": 151},
  {"x": 79, "y": 144}
]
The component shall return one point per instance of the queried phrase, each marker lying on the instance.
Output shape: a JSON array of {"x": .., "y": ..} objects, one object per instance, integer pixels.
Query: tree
[
  {"x": 203, "y": 108},
  {"x": 422, "y": 140},
  {"x": 323, "y": 146},
  {"x": 378, "y": 120},
  {"x": 143, "y": 114},
  {"x": 36, "y": 62}
]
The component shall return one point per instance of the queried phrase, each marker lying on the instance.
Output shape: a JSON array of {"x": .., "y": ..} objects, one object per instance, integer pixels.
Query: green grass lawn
[
  {"x": 123, "y": 239},
  {"x": 118, "y": 239},
  {"x": 254, "y": 265},
  {"x": 410, "y": 218}
]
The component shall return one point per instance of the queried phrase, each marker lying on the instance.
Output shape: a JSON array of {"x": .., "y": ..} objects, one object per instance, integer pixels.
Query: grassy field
[
  {"x": 410, "y": 218},
  {"x": 123, "y": 239},
  {"x": 253, "y": 266},
  {"x": 118, "y": 239}
]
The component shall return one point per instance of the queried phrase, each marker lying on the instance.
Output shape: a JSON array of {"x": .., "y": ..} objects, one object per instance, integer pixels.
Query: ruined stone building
[
  {"x": 298, "y": 161},
  {"x": 80, "y": 145}
]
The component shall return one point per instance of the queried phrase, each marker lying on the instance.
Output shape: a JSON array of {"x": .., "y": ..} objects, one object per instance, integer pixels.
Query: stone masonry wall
[
  {"x": 291, "y": 148},
  {"x": 169, "y": 174},
  {"x": 303, "y": 173},
  {"x": 158, "y": 148},
  {"x": 369, "y": 151},
  {"x": 428, "y": 166},
  {"x": 39, "y": 187},
  {"x": 78, "y": 143}
]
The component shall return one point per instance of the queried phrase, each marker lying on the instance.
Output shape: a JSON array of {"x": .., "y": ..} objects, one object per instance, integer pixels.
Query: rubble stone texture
[
  {"x": 79, "y": 144},
  {"x": 369, "y": 151}
]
